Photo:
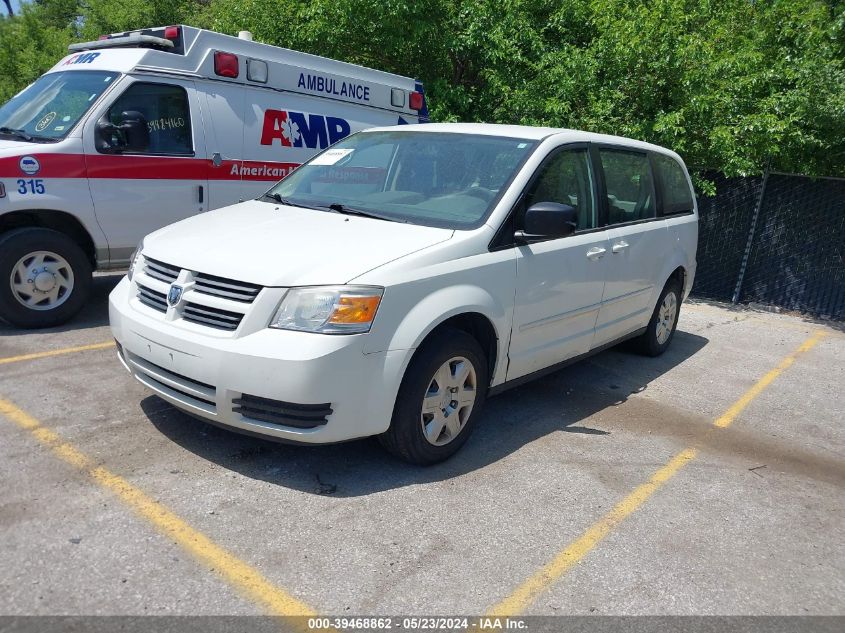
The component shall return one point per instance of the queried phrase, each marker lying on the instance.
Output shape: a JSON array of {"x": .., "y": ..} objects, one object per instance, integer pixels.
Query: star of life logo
[{"x": 290, "y": 132}]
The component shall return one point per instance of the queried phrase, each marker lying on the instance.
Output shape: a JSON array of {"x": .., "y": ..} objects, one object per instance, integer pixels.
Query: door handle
[
  {"x": 201, "y": 194},
  {"x": 620, "y": 246},
  {"x": 596, "y": 252},
  {"x": 217, "y": 159}
]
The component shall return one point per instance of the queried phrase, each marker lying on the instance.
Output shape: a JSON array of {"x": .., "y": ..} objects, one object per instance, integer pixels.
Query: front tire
[
  {"x": 45, "y": 278},
  {"x": 664, "y": 321},
  {"x": 440, "y": 399}
]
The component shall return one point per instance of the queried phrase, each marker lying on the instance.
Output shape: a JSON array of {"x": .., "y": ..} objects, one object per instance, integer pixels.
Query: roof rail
[{"x": 129, "y": 40}]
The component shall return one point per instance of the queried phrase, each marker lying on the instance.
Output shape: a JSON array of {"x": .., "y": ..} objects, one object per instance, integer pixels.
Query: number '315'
[{"x": 31, "y": 186}]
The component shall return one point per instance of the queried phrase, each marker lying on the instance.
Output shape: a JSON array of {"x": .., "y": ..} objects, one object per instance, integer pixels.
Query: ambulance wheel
[{"x": 45, "y": 278}]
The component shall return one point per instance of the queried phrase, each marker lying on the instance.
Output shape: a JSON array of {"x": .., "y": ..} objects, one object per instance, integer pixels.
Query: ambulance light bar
[
  {"x": 126, "y": 41},
  {"x": 166, "y": 39}
]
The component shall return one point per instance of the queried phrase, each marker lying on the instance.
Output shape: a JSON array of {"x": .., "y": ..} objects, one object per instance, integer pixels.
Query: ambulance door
[
  {"x": 224, "y": 111},
  {"x": 145, "y": 154}
]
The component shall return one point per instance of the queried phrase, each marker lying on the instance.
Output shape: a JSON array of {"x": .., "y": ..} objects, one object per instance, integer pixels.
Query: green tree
[
  {"x": 732, "y": 85},
  {"x": 29, "y": 46},
  {"x": 113, "y": 16}
]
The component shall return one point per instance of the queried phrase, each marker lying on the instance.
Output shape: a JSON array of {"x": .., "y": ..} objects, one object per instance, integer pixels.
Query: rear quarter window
[{"x": 677, "y": 197}]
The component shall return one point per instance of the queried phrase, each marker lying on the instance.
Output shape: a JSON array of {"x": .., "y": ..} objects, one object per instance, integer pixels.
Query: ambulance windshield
[
  {"x": 450, "y": 180},
  {"x": 49, "y": 108}
]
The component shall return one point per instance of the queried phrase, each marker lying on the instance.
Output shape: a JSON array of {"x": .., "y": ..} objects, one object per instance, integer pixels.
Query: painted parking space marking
[
  {"x": 526, "y": 593},
  {"x": 56, "y": 352},
  {"x": 247, "y": 580}
]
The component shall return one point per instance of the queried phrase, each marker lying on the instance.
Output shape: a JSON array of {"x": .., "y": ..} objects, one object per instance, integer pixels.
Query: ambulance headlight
[
  {"x": 134, "y": 260},
  {"x": 328, "y": 309}
]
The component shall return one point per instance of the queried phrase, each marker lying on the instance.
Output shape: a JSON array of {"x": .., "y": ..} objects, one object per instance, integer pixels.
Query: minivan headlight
[
  {"x": 328, "y": 309},
  {"x": 134, "y": 260}
]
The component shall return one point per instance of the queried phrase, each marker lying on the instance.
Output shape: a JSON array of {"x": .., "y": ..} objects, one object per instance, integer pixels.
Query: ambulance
[{"x": 140, "y": 129}]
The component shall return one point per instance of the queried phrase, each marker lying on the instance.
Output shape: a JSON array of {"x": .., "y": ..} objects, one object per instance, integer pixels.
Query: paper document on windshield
[{"x": 331, "y": 156}]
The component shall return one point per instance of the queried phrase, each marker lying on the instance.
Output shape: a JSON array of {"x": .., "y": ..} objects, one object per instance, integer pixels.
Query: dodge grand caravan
[{"x": 392, "y": 283}]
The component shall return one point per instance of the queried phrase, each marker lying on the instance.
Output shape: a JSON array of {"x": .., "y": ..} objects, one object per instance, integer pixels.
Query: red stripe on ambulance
[
  {"x": 145, "y": 168},
  {"x": 50, "y": 166}
]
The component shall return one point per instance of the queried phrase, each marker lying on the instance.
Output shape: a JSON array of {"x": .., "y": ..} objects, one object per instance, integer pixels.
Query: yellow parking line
[
  {"x": 56, "y": 352},
  {"x": 522, "y": 597},
  {"x": 736, "y": 408},
  {"x": 243, "y": 577}
]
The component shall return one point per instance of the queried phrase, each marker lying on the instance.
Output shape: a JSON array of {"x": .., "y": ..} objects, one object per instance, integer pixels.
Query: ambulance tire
[{"x": 38, "y": 263}]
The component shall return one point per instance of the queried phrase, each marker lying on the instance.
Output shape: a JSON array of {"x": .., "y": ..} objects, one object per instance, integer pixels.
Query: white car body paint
[{"x": 548, "y": 302}]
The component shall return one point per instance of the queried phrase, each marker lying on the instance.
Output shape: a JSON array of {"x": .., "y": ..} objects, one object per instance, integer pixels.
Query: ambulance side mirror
[{"x": 130, "y": 135}]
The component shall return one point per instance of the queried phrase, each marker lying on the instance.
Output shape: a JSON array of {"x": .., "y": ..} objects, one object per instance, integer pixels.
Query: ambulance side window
[{"x": 168, "y": 117}]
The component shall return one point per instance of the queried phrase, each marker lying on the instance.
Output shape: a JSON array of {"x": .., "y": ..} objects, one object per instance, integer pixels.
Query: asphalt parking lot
[{"x": 605, "y": 488}]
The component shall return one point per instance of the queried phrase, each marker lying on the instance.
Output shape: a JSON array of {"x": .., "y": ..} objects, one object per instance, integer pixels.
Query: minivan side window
[
  {"x": 630, "y": 186},
  {"x": 677, "y": 197},
  {"x": 566, "y": 179},
  {"x": 165, "y": 108}
]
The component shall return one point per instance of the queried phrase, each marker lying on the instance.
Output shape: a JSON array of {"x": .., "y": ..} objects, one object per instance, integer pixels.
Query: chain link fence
[{"x": 777, "y": 240}]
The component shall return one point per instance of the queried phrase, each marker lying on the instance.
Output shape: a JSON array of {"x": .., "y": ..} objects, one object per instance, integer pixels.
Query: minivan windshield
[
  {"x": 439, "y": 179},
  {"x": 49, "y": 108}
]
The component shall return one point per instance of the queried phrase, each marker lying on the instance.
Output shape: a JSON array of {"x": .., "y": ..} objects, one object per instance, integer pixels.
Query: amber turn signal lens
[{"x": 355, "y": 310}]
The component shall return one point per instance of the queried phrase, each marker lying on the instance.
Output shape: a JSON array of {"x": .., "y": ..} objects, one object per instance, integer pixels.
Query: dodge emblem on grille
[{"x": 174, "y": 295}]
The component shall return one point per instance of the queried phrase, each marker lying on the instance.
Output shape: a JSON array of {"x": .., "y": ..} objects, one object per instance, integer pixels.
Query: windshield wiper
[
  {"x": 21, "y": 134},
  {"x": 26, "y": 136},
  {"x": 347, "y": 210},
  {"x": 279, "y": 200}
]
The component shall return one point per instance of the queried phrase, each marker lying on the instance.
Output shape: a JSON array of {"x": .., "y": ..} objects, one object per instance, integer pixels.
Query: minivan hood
[{"x": 278, "y": 245}]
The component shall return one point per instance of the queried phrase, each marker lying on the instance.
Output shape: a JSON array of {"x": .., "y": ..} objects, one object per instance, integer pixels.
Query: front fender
[{"x": 411, "y": 311}]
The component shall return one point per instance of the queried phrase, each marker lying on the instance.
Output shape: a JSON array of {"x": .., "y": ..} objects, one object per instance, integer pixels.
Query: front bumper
[{"x": 211, "y": 376}]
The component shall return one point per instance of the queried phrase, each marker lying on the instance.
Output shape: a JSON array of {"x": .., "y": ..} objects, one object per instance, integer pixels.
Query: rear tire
[
  {"x": 45, "y": 278},
  {"x": 664, "y": 321},
  {"x": 439, "y": 400}
]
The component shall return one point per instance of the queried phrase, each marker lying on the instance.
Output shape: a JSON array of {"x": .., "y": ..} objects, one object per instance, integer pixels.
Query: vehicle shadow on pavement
[
  {"x": 94, "y": 314},
  {"x": 561, "y": 401}
]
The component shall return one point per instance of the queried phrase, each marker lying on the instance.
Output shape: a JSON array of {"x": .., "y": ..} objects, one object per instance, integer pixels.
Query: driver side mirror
[
  {"x": 130, "y": 135},
  {"x": 547, "y": 220}
]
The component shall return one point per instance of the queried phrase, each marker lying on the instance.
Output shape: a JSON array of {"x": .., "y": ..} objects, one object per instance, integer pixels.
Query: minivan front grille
[
  {"x": 152, "y": 298},
  {"x": 196, "y": 286},
  {"x": 226, "y": 288},
  {"x": 160, "y": 270},
  {"x": 301, "y": 416},
  {"x": 212, "y": 317}
]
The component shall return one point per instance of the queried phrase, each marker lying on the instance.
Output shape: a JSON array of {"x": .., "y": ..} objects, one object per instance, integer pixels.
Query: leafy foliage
[
  {"x": 29, "y": 45},
  {"x": 732, "y": 85}
]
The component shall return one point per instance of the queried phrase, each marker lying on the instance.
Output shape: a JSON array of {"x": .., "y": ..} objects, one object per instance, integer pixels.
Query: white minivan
[
  {"x": 395, "y": 281},
  {"x": 138, "y": 130}
]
